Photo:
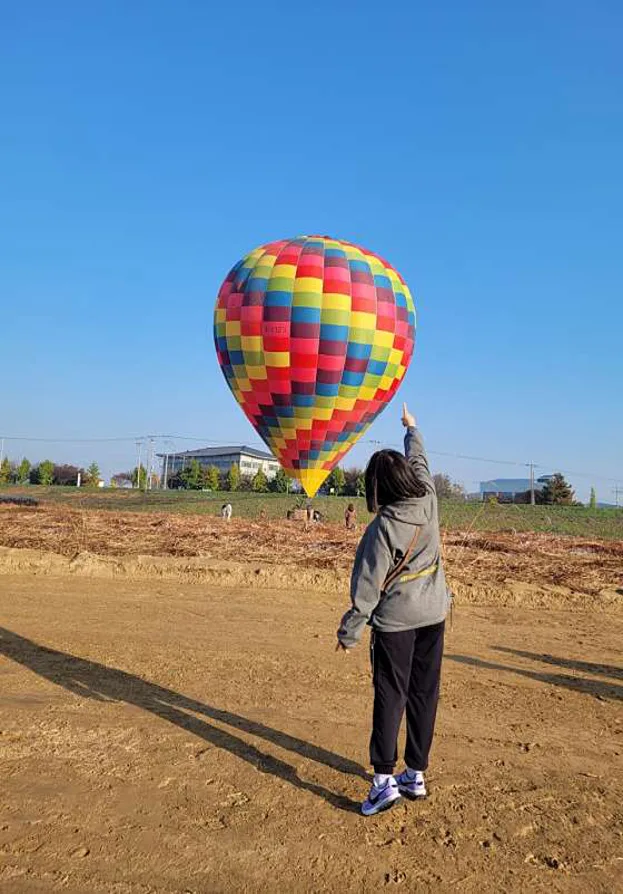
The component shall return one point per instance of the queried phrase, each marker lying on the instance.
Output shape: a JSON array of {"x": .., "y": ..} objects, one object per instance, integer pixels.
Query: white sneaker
[
  {"x": 411, "y": 784},
  {"x": 381, "y": 797}
]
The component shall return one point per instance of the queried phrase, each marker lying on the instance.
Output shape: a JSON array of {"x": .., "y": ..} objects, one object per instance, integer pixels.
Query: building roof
[
  {"x": 507, "y": 485},
  {"x": 223, "y": 451}
]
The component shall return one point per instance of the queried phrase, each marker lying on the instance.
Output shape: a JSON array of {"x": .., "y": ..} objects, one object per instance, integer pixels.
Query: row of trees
[
  {"x": 11, "y": 473},
  {"x": 352, "y": 483},
  {"x": 345, "y": 482},
  {"x": 341, "y": 482},
  {"x": 556, "y": 492},
  {"x": 194, "y": 476},
  {"x": 349, "y": 482},
  {"x": 47, "y": 473}
]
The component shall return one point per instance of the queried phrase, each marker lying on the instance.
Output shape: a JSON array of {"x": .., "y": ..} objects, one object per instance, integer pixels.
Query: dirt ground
[
  {"x": 159, "y": 736},
  {"x": 179, "y": 722}
]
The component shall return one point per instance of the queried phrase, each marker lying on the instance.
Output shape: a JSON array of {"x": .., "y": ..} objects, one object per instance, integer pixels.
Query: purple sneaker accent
[
  {"x": 381, "y": 798},
  {"x": 411, "y": 786}
]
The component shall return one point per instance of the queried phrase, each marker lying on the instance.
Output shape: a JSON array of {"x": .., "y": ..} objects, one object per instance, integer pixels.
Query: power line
[
  {"x": 507, "y": 462},
  {"x": 72, "y": 440},
  {"x": 127, "y": 439},
  {"x": 484, "y": 459},
  {"x": 481, "y": 459},
  {"x": 136, "y": 439}
]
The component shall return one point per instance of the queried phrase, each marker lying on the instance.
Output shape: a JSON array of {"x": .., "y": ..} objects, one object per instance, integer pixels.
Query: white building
[
  {"x": 248, "y": 459},
  {"x": 511, "y": 490}
]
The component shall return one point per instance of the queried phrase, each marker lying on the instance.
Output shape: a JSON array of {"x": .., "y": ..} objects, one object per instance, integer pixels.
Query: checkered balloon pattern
[{"x": 314, "y": 336}]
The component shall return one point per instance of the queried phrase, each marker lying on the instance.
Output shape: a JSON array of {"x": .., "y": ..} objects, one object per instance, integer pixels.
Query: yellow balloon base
[{"x": 311, "y": 479}]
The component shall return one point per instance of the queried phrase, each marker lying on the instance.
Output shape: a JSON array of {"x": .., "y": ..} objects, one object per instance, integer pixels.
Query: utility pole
[
  {"x": 150, "y": 463},
  {"x": 147, "y": 469},
  {"x": 166, "y": 471},
  {"x": 139, "y": 445},
  {"x": 169, "y": 462},
  {"x": 616, "y": 491},
  {"x": 532, "y": 499}
]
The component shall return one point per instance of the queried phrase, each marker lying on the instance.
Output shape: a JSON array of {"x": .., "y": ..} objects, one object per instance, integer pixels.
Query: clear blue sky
[{"x": 145, "y": 146}]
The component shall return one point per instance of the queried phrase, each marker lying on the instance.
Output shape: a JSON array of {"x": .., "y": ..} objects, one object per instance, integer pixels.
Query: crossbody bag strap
[{"x": 397, "y": 571}]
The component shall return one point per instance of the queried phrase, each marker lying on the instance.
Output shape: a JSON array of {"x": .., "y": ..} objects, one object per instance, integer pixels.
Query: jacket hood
[{"x": 413, "y": 511}]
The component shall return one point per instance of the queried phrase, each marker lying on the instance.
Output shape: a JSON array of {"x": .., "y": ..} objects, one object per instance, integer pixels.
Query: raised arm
[{"x": 414, "y": 450}]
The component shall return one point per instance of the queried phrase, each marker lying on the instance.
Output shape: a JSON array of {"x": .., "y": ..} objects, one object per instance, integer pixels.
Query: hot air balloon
[{"x": 314, "y": 336}]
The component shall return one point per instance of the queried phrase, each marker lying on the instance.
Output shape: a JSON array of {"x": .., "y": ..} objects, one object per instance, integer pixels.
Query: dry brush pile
[{"x": 577, "y": 564}]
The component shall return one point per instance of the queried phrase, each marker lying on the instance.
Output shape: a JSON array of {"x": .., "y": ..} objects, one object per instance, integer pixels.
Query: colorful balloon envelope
[{"x": 314, "y": 336}]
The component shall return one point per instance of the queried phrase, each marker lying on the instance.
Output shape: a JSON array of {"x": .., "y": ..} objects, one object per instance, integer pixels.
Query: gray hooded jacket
[{"x": 418, "y": 596}]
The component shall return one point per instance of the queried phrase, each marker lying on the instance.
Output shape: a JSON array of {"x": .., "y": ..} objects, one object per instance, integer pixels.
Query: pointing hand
[{"x": 408, "y": 419}]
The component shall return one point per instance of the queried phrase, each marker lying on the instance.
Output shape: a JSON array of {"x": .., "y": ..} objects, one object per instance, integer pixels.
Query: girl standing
[{"x": 398, "y": 588}]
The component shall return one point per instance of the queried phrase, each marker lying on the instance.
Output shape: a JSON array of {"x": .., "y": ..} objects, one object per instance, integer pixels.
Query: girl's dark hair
[
  {"x": 351, "y": 507},
  {"x": 390, "y": 479}
]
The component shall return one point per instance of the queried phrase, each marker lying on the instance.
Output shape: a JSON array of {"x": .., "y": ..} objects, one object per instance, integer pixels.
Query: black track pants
[{"x": 407, "y": 672}]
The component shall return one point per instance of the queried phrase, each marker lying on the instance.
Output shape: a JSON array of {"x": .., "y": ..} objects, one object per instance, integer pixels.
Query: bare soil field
[{"x": 174, "y": 718}]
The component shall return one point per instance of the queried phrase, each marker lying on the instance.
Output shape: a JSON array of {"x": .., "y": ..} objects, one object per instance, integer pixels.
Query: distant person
[
  {"x": 398, "y": 588},
  {"x": 316, "y": 515},
  {"x": 350, "y": 517},
  {"x": 310, "y": 512},
  {"x": 226, "y": 511}
]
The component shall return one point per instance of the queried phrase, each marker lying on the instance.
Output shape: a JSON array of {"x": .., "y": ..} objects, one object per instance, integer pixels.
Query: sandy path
[{"x": 163, "y": 737}]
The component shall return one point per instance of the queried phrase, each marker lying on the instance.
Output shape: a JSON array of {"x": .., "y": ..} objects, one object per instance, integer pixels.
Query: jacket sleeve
[
  {"x": 372, "y": 562},
  {"x": 415, "y": 453}
]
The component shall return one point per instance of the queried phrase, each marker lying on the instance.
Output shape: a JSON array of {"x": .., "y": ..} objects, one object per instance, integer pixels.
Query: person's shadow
[
  {"x": 573, "y": 664},
  {"x": 89, "y": 679},
  {"x": 599, "y": 688}
]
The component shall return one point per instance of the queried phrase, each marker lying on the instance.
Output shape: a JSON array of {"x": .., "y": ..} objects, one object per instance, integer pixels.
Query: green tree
[
  {"x": 191, "y": 475},
  {"x": 279, "y": 483},
  {"x": 5, "y": 471},
  {"x": 45, "y": 472},
  {"x": 23, "y": 471},
  {"x": 557, "y": 491},
  {"x": 245, "y": 484},
  {"x": 336, "y": 480},
  {"x": 233, "y": 477},
  {"x": 211, "y": 478},
  {"x": 260, "y": 482},
  {"x": 139, "y": 476},
  {"x": 92, "y": 475},
  {"x": 355, "y": 483},
  {"x": 593, "y": 499}
]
